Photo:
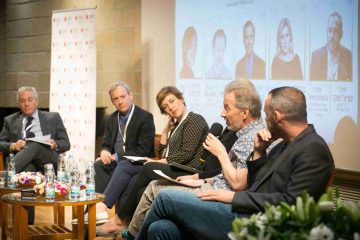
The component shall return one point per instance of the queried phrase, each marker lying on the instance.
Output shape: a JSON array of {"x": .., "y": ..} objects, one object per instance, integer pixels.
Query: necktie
[
  {"x": 28, "y": 132},
  {"x": 120, "y": 139}
]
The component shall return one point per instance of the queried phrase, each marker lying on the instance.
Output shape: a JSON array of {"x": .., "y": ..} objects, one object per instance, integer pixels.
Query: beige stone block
[
  {"x": 43, "y": 8},
  {"x": 137, "y": 14},
  {"x": 137, "y": 99},
  {"x": 137, "y": 36},
  {"x": 29, "y": 44},
  {"x": 19, "y": 11},
  {"x": 10, "y": 2},
  {"x": 28, "y": 62},
  {"x": 106, "y": 60},
  {"x": 43, "y": 99},
  {"x": 104, "y": 39},
  {"x": 2, "y": 82},
  {"x": 2, "y": 99},
  {"x": 113, "y": 59},
  {"x": 106, "y": 4},
  {"x": 19, "y": 28},
  {"x": 108, "y": 19},
  {"x": 137, "y": 58},
  {"x": 2, "y": 63},
  {"x": 28, "y": 27},
  {"x": 104, "y": 80},
  {"x": 41, "y": 26},
  {"x": 130, "y": 78},
  {"x": 11, "y": 99},
  {"x": 13, "y": 45},
  {"x": 17, "y": 79},
  {"x": 135, "y": 83},
  {"x": 121, "y": 76},
  {"x": 44, "y": 81},
  {"x": 128, "y": 17},
  {"x": 124, "y": 39},
  {"x": 2, "y": 30}
]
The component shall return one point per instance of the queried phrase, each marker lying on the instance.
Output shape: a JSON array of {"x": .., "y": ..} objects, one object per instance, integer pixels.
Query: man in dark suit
[
  {"x": 301, "y": 162},
  {"x": 250, "y": 66},
  {"x": 29, "y": 123},
  {"x": 333, "y": 61},
  {"x": 129, "y": 130}
]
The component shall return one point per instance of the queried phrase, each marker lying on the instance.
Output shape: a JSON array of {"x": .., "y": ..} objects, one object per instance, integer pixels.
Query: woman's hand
[{"x": 169, "y": 126}]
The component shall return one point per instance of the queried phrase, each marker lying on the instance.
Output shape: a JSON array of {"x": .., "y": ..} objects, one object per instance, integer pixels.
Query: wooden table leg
[
  {"x": 61, "y": 215},
  {"x": 4, "y": 219},
  {"x": 81, "y": 223},
  {"x": 74, "y": 226},
  {"x": 16, "y": 222},
  {"x": 92, "y": 221},
  {"x": 23, "y": 223},
  {"x": 56, "y": 214}
]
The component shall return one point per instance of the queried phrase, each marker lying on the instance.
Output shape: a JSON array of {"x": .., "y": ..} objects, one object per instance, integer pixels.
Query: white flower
[
  {"x": 356, "y": 236},
  {"x": 321, "y": 232},
  {"x": 38, "y": 180},
  {"x": 326, "y": 205}
]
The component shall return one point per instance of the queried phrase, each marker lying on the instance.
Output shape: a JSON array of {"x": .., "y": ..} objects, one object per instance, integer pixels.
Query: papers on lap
[
  {"x": 135, "y": 159},
  {"x": 163, "y": 175},
  {"x": 41, "y": 139}
]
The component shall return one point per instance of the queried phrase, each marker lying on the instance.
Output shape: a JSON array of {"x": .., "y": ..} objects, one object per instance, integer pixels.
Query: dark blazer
[
  {"x": 258, "y": 68},
  {"x": 186, "y": 142},
  {"x": 304, "y": 164},
  {"x": 318, "y": 67},
  {"x": 50, "y": 123},
  {"x": 139, "y": 134}
]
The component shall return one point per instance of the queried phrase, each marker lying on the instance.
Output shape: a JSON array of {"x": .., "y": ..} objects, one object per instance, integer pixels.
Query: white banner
[{"x": 73, "y": 79}]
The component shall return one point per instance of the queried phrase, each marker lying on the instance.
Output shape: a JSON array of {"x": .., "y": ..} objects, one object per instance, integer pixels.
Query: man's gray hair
[
  {"x": 26, "y": 88},
  {"x": 246, "y": 96},
  {"x": 119, "y": 84}
]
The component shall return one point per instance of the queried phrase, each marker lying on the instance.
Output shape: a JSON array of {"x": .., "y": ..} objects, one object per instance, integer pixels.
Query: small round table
[
  {"x": 5, "y": 190},
  {"x": 21, "y": 230}
]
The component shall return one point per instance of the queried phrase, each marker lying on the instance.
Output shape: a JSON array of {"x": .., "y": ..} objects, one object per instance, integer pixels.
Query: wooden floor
[{"x": 44, "y": 215}]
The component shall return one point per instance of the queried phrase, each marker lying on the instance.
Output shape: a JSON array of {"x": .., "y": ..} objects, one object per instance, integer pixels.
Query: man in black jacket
[{"x": 129, "y": 130}]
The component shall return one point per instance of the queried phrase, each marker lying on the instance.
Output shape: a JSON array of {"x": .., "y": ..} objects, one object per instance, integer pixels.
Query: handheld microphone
[{"x": 216, "y": 129}]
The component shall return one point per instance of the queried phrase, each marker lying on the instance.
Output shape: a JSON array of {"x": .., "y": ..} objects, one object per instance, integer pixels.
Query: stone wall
[
  {"x": 2, "y": 53},
  {"x": 25, "y": 40}
]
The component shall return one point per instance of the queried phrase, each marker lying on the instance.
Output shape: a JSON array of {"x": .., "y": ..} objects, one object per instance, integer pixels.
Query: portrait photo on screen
[
  {"x": 286, "y": 64},
  {"x": 333, "y": 60},
  {"x": 219, "y": 49},
  {"x": 189, "y": 46},
  {"x": 250, "y": 66}
]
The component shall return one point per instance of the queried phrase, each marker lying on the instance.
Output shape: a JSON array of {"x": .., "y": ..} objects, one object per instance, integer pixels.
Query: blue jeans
[
  {"x": 119, "y": 181},
  {"x": 175, "y": 211}
]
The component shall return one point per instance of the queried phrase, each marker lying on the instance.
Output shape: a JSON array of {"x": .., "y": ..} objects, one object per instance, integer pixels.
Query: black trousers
[{"x": 127, "y": 209}]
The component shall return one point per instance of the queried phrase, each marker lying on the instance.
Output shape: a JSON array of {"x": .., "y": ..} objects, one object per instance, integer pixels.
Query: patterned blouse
[
  {"x": 185, "y": 145},
  {"x": 240, "y": 151}
]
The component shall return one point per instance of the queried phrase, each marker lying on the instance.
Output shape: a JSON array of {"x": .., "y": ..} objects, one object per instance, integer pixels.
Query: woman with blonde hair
[{"x": 286, "y": 64}]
